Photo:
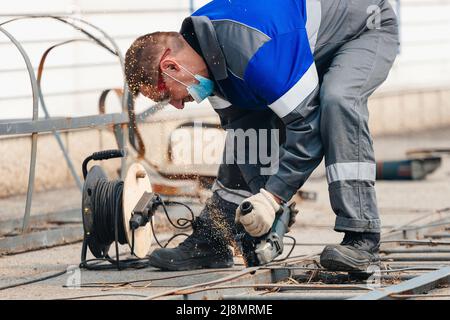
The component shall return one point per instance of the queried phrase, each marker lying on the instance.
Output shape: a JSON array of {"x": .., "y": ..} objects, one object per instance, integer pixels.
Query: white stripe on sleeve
[{"x": 297, "y": 94}]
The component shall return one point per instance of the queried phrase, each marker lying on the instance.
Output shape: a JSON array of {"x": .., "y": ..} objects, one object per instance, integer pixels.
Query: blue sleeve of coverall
[{"x": 283, "y": 74}]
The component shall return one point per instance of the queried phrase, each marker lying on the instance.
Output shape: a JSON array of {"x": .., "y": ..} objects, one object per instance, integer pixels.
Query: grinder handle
[
  {"x": 281, "y": 224},
  {"x": 246, "y": 207}
]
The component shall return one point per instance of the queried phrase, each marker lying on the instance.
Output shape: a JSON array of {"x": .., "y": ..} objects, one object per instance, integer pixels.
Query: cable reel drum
[{"x": 130, "y": 224}]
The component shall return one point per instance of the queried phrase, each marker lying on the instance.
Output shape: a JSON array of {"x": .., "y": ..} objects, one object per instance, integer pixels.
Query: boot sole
[
  {"x": 200, "y": 263},
  {"x": 335, "y": 260}
]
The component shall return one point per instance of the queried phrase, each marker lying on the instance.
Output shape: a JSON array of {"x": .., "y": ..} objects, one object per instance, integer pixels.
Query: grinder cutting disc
[{"x": 135, "y": 184}]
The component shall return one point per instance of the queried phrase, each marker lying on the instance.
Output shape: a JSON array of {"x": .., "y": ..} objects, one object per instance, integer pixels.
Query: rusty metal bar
[
  {"x": 35, "y": 90},
  {"x": 47, "y": 114},
  {"x": 408, "y": 257},
  {"x": 281, "y": 286},
  {"x": 417, "y": 242},
  {"x": 61, "y": 124},
  {"x": 419, "y": 296},
  {"x": 417, "y": 250},
  {"x": 37, "y": 125},
  {"x": 220, "y": 280},
  {"x": 68, "y": 216},
  {"x": 438, "y": 235},
  {"x": 292, "y": 296},
  {"x": 106, "y": 12},
  {"x": 41, "y": 239},
  {"x": 416, "y": 285}
]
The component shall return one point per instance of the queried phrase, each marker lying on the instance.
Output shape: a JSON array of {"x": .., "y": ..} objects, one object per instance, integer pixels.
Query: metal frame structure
[
  {"x": 54, "y": 125},
  {"x": 36, "y": 125}
]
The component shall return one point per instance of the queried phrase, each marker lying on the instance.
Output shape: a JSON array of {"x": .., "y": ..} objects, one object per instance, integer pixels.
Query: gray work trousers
[{"x": 353, "y": 57}]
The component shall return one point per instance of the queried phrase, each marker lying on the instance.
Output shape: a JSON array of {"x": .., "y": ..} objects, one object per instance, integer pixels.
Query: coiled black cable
[
  {"x": 108, "y": 225},
  {"x": 108, "y": 213}
]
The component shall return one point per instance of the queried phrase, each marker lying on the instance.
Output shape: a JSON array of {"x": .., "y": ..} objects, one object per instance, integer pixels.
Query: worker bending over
[{"x": 304, "y": 67}]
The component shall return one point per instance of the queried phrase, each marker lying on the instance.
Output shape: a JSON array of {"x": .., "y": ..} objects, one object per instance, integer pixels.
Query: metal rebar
[
  {"x": 126, "y": 98},
  {"x": 47, "y": 114},
  {"x": 187, "y": 274},
  {"x": 291, "y": 296},
  {"x": 61, "y": 123},
  {"x": 438, "y": 235},
  {"x": 425, "y": 295},
  {"x": 416, "y": 258},
  {"x": 417, "y": 242},
  {"x": 104, "y": 12},
  {"x": 280, "y": 286},
  {"x": 416, "y": 250},
  {"x": 426, "y": 281},
  {"x": 35, "y": 90},
  {"x": 102, "y": 295},
  {"x": 221, "y": 280}
]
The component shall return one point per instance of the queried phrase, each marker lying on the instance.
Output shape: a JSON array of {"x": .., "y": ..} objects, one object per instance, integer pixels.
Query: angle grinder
[{"x": 262, "y": 250}]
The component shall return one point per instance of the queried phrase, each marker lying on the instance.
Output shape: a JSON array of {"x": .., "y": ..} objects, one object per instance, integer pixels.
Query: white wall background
[
  {"x": 424, "y": 60},
  {"x": 76, "y": 73}
]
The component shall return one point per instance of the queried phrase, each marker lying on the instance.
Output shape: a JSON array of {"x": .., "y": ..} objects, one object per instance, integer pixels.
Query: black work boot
[
  {"x": 207, "y": 246},
  {"x": 357, "y": 252},
  {"x": 193, "y": 253}
]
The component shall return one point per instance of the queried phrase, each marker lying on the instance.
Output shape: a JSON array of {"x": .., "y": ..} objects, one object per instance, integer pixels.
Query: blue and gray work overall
[{"x": 307, "y": 68}]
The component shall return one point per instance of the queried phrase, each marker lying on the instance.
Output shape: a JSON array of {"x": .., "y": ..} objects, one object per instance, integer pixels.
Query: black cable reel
[
  {"x": 118, "y": 212},
  {"x": 121, "y": 212}
]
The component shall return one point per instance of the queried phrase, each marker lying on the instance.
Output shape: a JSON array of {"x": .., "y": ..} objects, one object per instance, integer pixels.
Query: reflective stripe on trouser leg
[
  {"x": 352, "y": 196},
  {"x": 351, "y": 171},
  {"x": 357, "y": 68}
]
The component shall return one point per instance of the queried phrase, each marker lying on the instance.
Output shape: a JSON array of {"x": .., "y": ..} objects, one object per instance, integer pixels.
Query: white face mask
[{"x": 198, "y": 91}]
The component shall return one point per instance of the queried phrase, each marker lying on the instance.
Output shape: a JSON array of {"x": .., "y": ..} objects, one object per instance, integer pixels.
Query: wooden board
[{"x": 134, "y": 188}]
